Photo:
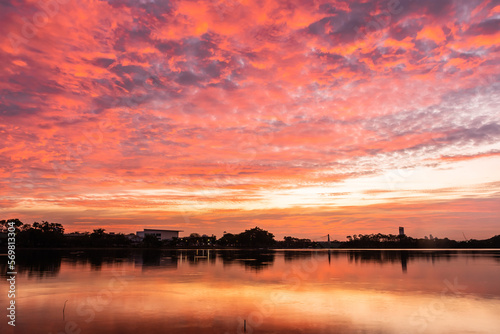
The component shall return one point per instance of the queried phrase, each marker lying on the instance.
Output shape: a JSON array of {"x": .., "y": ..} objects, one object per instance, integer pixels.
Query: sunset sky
[{"x": 300, "y": 117}]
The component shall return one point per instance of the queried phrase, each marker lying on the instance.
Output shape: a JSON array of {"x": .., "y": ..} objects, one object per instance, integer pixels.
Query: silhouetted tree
[
  {"x": 228, "y": 240},
  {"x": 151, "y": 241},
  {"x": 42, "y": 234},
  {"x": 256, "y": 238},
  {"x": 5, "y": 224},
  {"x": 291, "y": 242}
]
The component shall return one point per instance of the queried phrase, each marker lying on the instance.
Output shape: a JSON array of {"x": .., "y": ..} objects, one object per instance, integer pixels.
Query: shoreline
[{"x": 255, "y": 249}]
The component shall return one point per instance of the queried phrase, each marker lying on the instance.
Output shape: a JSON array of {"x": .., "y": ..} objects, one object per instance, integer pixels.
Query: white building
[{"x": 160, "y": 234}]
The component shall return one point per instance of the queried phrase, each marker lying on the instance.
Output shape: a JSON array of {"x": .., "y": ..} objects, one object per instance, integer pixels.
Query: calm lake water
[{"x": 216, "y": 291}]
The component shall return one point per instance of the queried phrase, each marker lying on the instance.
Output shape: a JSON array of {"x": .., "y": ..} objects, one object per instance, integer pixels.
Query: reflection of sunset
[
  {"x": 210, "y": 116},
  {"x": 311, "y": 291}
]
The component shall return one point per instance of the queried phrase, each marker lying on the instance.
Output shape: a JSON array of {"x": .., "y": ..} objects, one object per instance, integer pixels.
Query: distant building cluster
[{"x": 160, "y": 234}]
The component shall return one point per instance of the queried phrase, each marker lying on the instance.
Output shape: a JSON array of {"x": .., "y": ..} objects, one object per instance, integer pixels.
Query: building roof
[{"x": 153, "y": 229}]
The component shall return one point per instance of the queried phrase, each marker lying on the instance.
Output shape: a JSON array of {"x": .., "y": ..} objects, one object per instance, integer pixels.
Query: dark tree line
[
  {"x": 253, "y": 238},
  {"x": 42, "y": 234},
  {"x": 402, "y": 241},
  {"x": 291, "y": 242},
  {"x": 51, "y": 235}
]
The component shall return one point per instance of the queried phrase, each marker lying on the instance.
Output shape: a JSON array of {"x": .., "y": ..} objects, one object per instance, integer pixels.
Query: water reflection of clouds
[
  {"x": 47, "y": 263},
  {"x": 193, "y": 291}
]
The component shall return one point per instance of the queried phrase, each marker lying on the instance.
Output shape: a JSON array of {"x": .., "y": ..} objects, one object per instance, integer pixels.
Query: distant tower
[
  {"x": 401, "y": 231},
  {"x": 431, "y": 237}
]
